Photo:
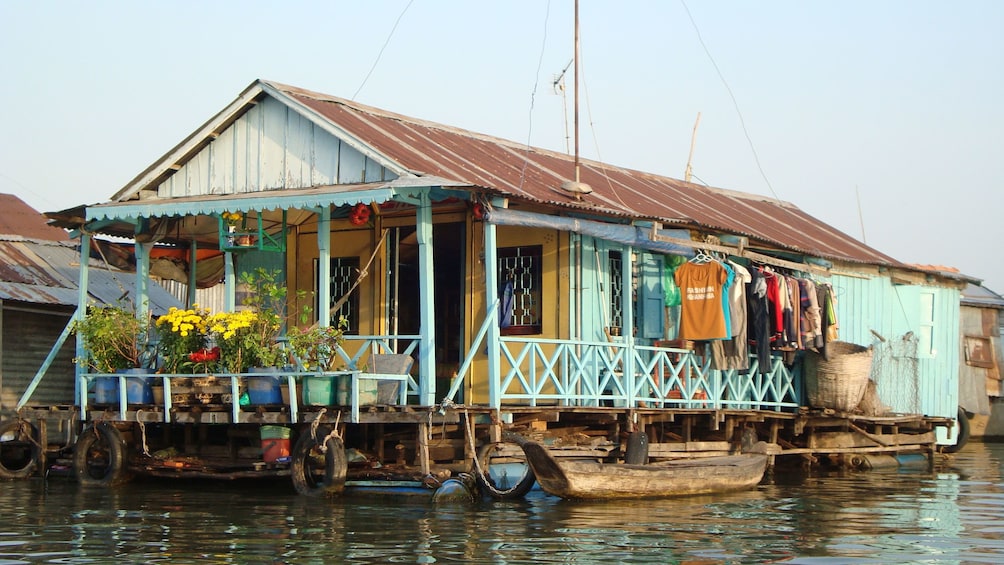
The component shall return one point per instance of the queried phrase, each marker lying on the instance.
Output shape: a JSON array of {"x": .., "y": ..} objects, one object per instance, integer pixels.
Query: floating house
[
  {"x": 981, "y": 360},
  {"x": 488, "y": 286}
]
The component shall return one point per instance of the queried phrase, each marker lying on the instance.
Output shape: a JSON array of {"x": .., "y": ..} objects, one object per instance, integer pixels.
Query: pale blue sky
[{"x": 896, "y": 104}]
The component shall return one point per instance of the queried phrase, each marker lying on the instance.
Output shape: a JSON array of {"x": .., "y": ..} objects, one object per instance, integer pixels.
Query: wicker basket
[{"x": 838, "y": 382}]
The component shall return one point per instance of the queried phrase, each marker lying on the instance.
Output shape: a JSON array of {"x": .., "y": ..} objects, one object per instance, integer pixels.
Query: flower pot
[
  {"x": 266, "y": 389},
  {"x": 139, "y": 389},
  {"x": 319, "y": 391},
  {"x": 106, "y": 390}
]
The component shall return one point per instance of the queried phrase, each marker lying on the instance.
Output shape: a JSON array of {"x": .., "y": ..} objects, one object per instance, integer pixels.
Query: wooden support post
[
  {"x": 43, "y": 439},
  {"x": 423, "y": 448}
]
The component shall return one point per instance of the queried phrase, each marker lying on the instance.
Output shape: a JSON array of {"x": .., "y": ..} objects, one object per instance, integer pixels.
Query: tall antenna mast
[
  {"x": 576, "y": 187},
  {"x": 559, "y": 86},
  {"x": 693, "y": 139}
]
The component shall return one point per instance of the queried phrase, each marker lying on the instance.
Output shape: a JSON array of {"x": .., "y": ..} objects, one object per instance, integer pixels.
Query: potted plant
[
  {"x": 116, "y": 342},
  {"x": 247, "y": 338},
  {"x": 316, "y": 348},
  {"x": 182, "y": 333}
]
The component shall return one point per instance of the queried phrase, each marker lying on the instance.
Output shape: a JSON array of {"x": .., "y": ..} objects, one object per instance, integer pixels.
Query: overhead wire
[
  {"x": 735, "y": 103},
  {"x": 533, "y": 97},
  {"x": 380, "y": 54},
  {"x": 596, "y": 142}
]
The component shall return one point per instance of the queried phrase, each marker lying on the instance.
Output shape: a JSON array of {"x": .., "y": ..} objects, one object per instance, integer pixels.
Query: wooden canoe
[{"x": 592, "y": 480}]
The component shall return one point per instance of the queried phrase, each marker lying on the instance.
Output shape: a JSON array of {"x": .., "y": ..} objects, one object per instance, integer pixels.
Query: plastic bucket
[
  {"x": 318, "y": 391},
  {"x": 106, "y": 390},
  {"x": 139, "y": 390},
  {"x": 265, "y": 389},
  {"x": 274, "y": 443},
  {"x": 367, "y": 391}
]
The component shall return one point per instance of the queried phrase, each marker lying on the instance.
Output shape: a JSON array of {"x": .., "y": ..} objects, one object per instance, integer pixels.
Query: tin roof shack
[
  {"x": 511, "y": 292},
  {"x": 982, "y": 358},
  {"x": 38, "y": 296}
]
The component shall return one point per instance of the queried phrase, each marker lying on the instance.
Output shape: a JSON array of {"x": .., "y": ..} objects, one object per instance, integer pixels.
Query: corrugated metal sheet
[
  {"x": 27, "y": 338},
  {"x": 404, "y": 145},
  {"x": 47, "y": 272},
  {"x": 534, "y": 174},
  {"x": 20, "y": 219}
]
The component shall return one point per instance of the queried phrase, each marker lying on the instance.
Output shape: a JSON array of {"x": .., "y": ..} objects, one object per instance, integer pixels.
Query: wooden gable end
[{"x": 270, "y": 147}]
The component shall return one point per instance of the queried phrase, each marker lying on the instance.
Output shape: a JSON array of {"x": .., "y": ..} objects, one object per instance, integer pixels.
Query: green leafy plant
[
  {"x": 316, "y": 347},
  {"x": 114, "y": 338},
  {"x": 247, "y": 338}
]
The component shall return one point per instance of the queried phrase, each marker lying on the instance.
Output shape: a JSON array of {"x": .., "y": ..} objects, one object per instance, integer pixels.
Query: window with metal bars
[
  {"x": 344, "y": 271},
  {"x": 519, "y": 272}
]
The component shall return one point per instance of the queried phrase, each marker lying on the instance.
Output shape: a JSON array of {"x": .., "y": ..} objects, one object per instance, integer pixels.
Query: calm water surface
[{"x": 950, "y": 516}]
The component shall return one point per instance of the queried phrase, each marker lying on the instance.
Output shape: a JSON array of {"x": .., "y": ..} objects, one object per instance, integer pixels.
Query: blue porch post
[
  {"x": 324, "y": 266},
  {"x": 193, "y": 278},
  {"x": 426, "y": 298},
  {"x": 142, "y": 298},
  {"x": 627, "y": 331},
  {"x": 229, "y": 282},
  {"x": 80, "y": 392},
  {"x": 493, "y": 337}
]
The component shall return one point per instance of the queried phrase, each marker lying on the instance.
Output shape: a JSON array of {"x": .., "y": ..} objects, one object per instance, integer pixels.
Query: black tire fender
[
  {"x": 307, "y": 452},
  {"x": 513, "y": 490},
  {"x": 100, "y": 456},
  {"x": 962, "y": 420},
  {"x": 20, "y": 449}
]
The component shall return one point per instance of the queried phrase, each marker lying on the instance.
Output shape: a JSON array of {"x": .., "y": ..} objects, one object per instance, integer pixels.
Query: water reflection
[{"x": 949, "y": 516}]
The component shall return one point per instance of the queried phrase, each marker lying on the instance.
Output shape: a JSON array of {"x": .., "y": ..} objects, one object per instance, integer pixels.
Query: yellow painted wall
[{"x": 554, "y": 292}]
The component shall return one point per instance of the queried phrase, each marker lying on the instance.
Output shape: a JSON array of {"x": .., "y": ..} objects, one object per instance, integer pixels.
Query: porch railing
[{"x": 585, "y": 373}]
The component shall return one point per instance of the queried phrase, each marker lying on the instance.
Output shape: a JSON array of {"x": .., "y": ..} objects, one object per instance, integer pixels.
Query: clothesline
[{"x": 738, "y": 251}]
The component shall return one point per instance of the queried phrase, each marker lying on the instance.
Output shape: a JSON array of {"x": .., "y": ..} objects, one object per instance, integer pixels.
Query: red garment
[{"x": 776, "y": 311}]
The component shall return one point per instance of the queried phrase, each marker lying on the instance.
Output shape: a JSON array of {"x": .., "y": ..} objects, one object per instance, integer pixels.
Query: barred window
[
  {"x": 616, "y": 298},
  {"x": 520, "y": 289},
  {"x": 344, "y": 271}
]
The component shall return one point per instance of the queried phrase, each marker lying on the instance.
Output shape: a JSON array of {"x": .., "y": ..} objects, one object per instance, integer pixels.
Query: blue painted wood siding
[
  {"x": 916, "y": 368},
  {"x": 271, "y": 147}
]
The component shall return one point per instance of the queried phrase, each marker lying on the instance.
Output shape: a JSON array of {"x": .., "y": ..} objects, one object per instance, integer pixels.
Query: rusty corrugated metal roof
[
  {"x": 47, "y": 272},
  {"x": 517, "y": 171},
  {"x": 511, "y": 169},
  {"x": 20, "y": 219}
]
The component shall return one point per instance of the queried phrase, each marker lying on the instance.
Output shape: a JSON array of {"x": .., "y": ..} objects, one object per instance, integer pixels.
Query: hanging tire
[
  {"x": 506, "y": 480},
  {"x": 100, "y": 456},
  {"x": 962, "y": 439},
  {"x": 20, "y": 449},
  {"x": 316, "y": 471}
]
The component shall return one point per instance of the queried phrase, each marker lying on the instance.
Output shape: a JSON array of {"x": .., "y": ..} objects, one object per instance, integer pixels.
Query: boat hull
[{"x": 591, "y": 480}]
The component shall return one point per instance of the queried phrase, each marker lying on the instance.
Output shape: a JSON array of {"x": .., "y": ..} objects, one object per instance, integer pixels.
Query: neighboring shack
[
  {"x": 39, "y": 274},
  {"x": 981, "y": 359}
]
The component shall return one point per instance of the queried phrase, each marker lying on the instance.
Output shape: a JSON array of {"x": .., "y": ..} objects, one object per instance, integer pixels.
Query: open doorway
[{"x": 404, "y": 311}]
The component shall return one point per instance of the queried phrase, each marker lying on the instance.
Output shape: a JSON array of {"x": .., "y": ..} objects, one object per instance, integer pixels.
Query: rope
[
  {"x": 142, "y": 433},
  {"x": 24, "y": 429},
  {"x": 362, "y": 274},
  {"x": 477, "y": 463}
]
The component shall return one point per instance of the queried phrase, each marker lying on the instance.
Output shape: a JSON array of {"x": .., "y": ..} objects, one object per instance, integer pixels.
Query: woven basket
[{"x": 838, "y": 382}]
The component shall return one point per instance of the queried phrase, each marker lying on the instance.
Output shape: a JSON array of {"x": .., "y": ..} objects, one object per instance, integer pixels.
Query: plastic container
[
  {"x": 368, "y": 389},
  {"x": 274, "y": 443},
  {"x": 319, "y": 391},
  {"x": 106, "y": 390},
  {"x": 139, "y": 390},
  {"x": 265, "y": 389}
]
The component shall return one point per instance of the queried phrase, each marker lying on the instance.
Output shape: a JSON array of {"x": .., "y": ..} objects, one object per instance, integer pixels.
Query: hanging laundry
[
  {"x": 701, "y": 316},
  {"x": 733, "y": 353},
  {"x": 758, "y": 315}
]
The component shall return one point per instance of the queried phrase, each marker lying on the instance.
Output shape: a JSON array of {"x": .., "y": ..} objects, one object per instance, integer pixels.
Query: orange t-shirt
[{"x": 701, "y": 314}]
